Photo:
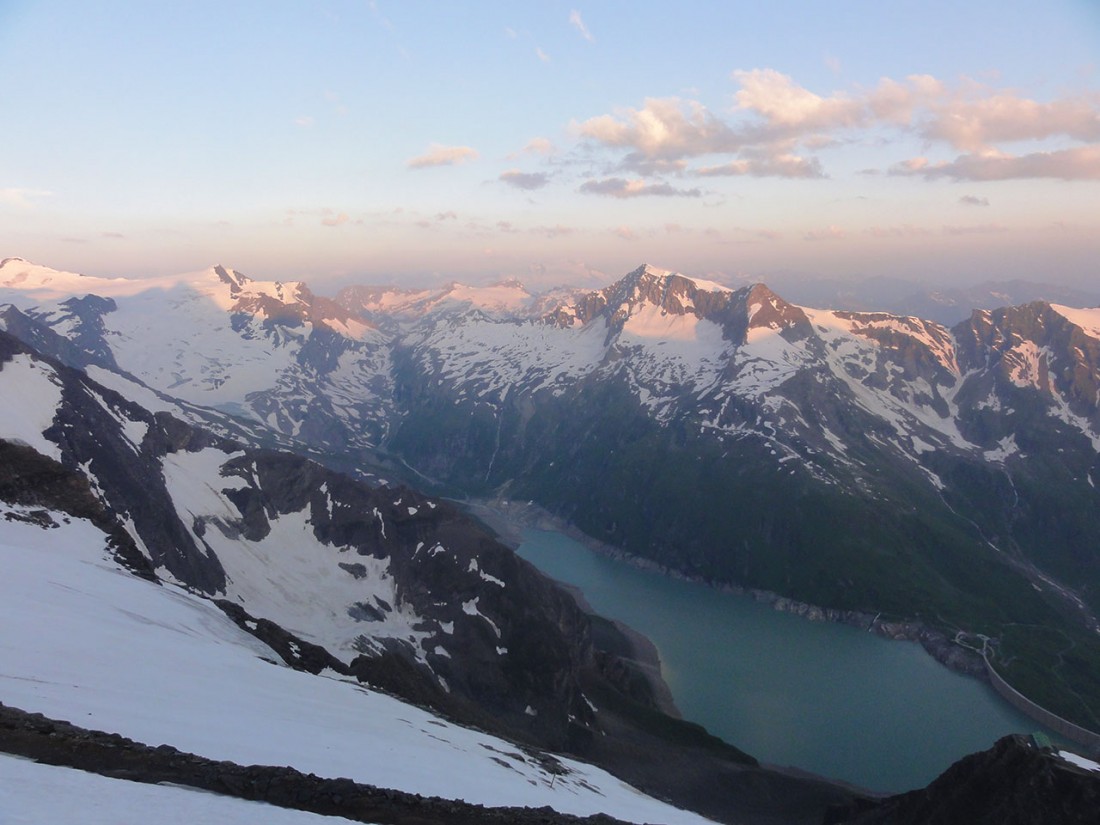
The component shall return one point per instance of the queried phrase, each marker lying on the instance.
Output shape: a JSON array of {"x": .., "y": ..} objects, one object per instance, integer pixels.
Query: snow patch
[{"x": 30, "y": 393}]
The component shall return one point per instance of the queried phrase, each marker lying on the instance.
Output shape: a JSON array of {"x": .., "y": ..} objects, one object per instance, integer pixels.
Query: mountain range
[{"x": 263, "y": 447}]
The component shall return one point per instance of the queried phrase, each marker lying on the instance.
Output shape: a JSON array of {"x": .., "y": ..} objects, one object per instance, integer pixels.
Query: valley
[{"x": 292, "y": 462}]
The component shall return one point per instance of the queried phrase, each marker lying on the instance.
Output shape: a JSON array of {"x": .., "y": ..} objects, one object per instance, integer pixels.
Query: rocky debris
[
  {"x": 1013, "y": 783},
  {"x": 54, "y": 742}
]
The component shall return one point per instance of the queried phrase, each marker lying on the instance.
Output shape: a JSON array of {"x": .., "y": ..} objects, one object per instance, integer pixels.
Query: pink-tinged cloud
[
  {"x": 22, "y": 198},
  {"x": 981, "y": 229},
  {"x": 624, "y": 232},
  {"x": 1080, "y": 163},
  {"x": 440, "y": 155},
  {"x": 543, "y": 56},
  {"x": 335, "y": 220},
  {"x": 829, "y": 233},
  {"x": 896, "y": 102},
  {"x": 783, "y": 102},
  {"x": 577, "y": 23},
  {"x": 782, "y": 165},
  {"x": 525, "y": 180},
  {"x": 903, "y": 231},
  {"x": 622, "y": 188},
  {"x": 663, "y": 128},
  {"x": 556, "y": 231},
  {"x": 538, "y": 146},
  {"x": 973, "y": 125},
  {"x": 780, "y": 125}
]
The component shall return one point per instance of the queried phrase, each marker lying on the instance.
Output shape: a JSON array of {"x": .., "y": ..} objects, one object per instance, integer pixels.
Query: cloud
[
  {"x": 664, "y": 127},
  {"x": 903, "y": 231},
  {"x": 973, "y": 125},
  {"x": 22, "y": 198},
  {"x": 538, "y": 146},
  {"x": 576, "y": 22},
  {"x": 440, "y": 155},
  {"x": 829, "y": 233},
  {"x": 778, "y": 128},
  {"x": 556, "y": 231},
  {"x": 543, "y": 56},
  {"x": 116, "y": 236},
  {"x": 981, "y": 229},
  {"x": 622, "y": 188},
  {"x": 449, "y": 215},
  {"x": 782, "y": 102},
  {"x": 335, "y": 220},
  {"x": 305, "y": 122},
  {"x": 525, "y": 180},
  {"x": 973, "y": 200},
  {"x": 1079, "y": 163},
  {"x": 896, "y": 102},
  {"x": 783, "y": 165},
  {"x": 665, "y": 133},
  {"x": 624, "y": 232}
]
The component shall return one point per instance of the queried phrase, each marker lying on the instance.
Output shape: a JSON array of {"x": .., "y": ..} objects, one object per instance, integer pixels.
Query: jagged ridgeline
[{"x": 853, "y": 460}]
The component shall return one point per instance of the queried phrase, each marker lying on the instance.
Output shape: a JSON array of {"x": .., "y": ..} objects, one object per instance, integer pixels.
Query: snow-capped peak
[{"x": 1087, "y": 319}]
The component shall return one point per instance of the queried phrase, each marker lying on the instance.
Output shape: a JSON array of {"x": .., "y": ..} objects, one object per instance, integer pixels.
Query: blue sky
[{"x": 419, "y": 142}]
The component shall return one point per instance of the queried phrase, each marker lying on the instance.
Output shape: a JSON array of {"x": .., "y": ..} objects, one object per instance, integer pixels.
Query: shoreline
[
  {"x": 509, "y": 518},
  {"x": 644, "y": 653}
]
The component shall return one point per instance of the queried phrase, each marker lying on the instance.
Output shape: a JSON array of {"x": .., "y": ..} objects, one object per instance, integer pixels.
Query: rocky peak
[
  {"x": 234, "y": 279},
  {"x": 766, "y": 309},
  {"x": 1035, "y": 346}
]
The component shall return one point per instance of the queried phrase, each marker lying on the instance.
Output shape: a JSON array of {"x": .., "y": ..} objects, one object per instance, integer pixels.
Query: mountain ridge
[{"x": 970, "y": 451}]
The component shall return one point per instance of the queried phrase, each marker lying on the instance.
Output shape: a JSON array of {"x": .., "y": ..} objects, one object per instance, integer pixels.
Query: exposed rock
[{"x": 1013, "y": 783}]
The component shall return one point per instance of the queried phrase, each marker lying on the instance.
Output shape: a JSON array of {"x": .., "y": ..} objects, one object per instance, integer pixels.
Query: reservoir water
[{"x": 827, "y": 698}]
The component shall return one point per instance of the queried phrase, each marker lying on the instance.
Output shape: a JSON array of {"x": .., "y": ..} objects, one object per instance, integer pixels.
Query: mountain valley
[{"x": 292, "y": 459}]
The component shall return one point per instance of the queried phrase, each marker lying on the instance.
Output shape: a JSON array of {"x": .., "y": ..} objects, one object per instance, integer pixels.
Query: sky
[{"x": 356, "y": 141}]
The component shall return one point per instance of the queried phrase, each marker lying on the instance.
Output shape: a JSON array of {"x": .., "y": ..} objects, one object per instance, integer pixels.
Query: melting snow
[
  {"x": 1079, "y": 761},
  {"x": 156, "y": 664}
]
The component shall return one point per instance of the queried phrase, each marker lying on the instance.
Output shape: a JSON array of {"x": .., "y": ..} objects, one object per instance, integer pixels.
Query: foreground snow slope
[
  {"x": 34, "y": 794},
  {"x": 84, "y": 641}
]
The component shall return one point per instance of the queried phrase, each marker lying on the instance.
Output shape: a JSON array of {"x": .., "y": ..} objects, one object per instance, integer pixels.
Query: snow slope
[
  {"x": 34, "y": 794},
  {"x": 82, "y": 640}
]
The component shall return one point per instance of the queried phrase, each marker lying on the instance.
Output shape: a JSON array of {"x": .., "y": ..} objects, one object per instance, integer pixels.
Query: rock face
[
  {"x": 859, "y": 461},
  {"x": 427, "y": 593},
  {"x": 1014, "y": 782},
  {"x": 383, "y": 583},
  {"x": 55, "y": 742}
]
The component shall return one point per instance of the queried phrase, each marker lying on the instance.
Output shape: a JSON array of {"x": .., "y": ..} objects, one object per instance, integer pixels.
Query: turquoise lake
[{"x": 823, "y": 697}]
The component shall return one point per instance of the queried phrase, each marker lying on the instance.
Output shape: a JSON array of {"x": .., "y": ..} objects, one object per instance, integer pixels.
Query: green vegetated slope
[{"x": 725, "y": 510}]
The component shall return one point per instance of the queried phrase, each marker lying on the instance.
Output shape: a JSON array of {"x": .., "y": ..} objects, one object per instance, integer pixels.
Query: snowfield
[
  {"x": 84, "y": 641},
  {"x": 30, "y": 393},
  {"x": 34, "y": 794}
]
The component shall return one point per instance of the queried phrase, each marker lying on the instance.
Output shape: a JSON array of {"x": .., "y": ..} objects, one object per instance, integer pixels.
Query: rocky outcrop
[
  {"x": 54, "y": 742},
  {"x": 1013, "y": 783}
]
